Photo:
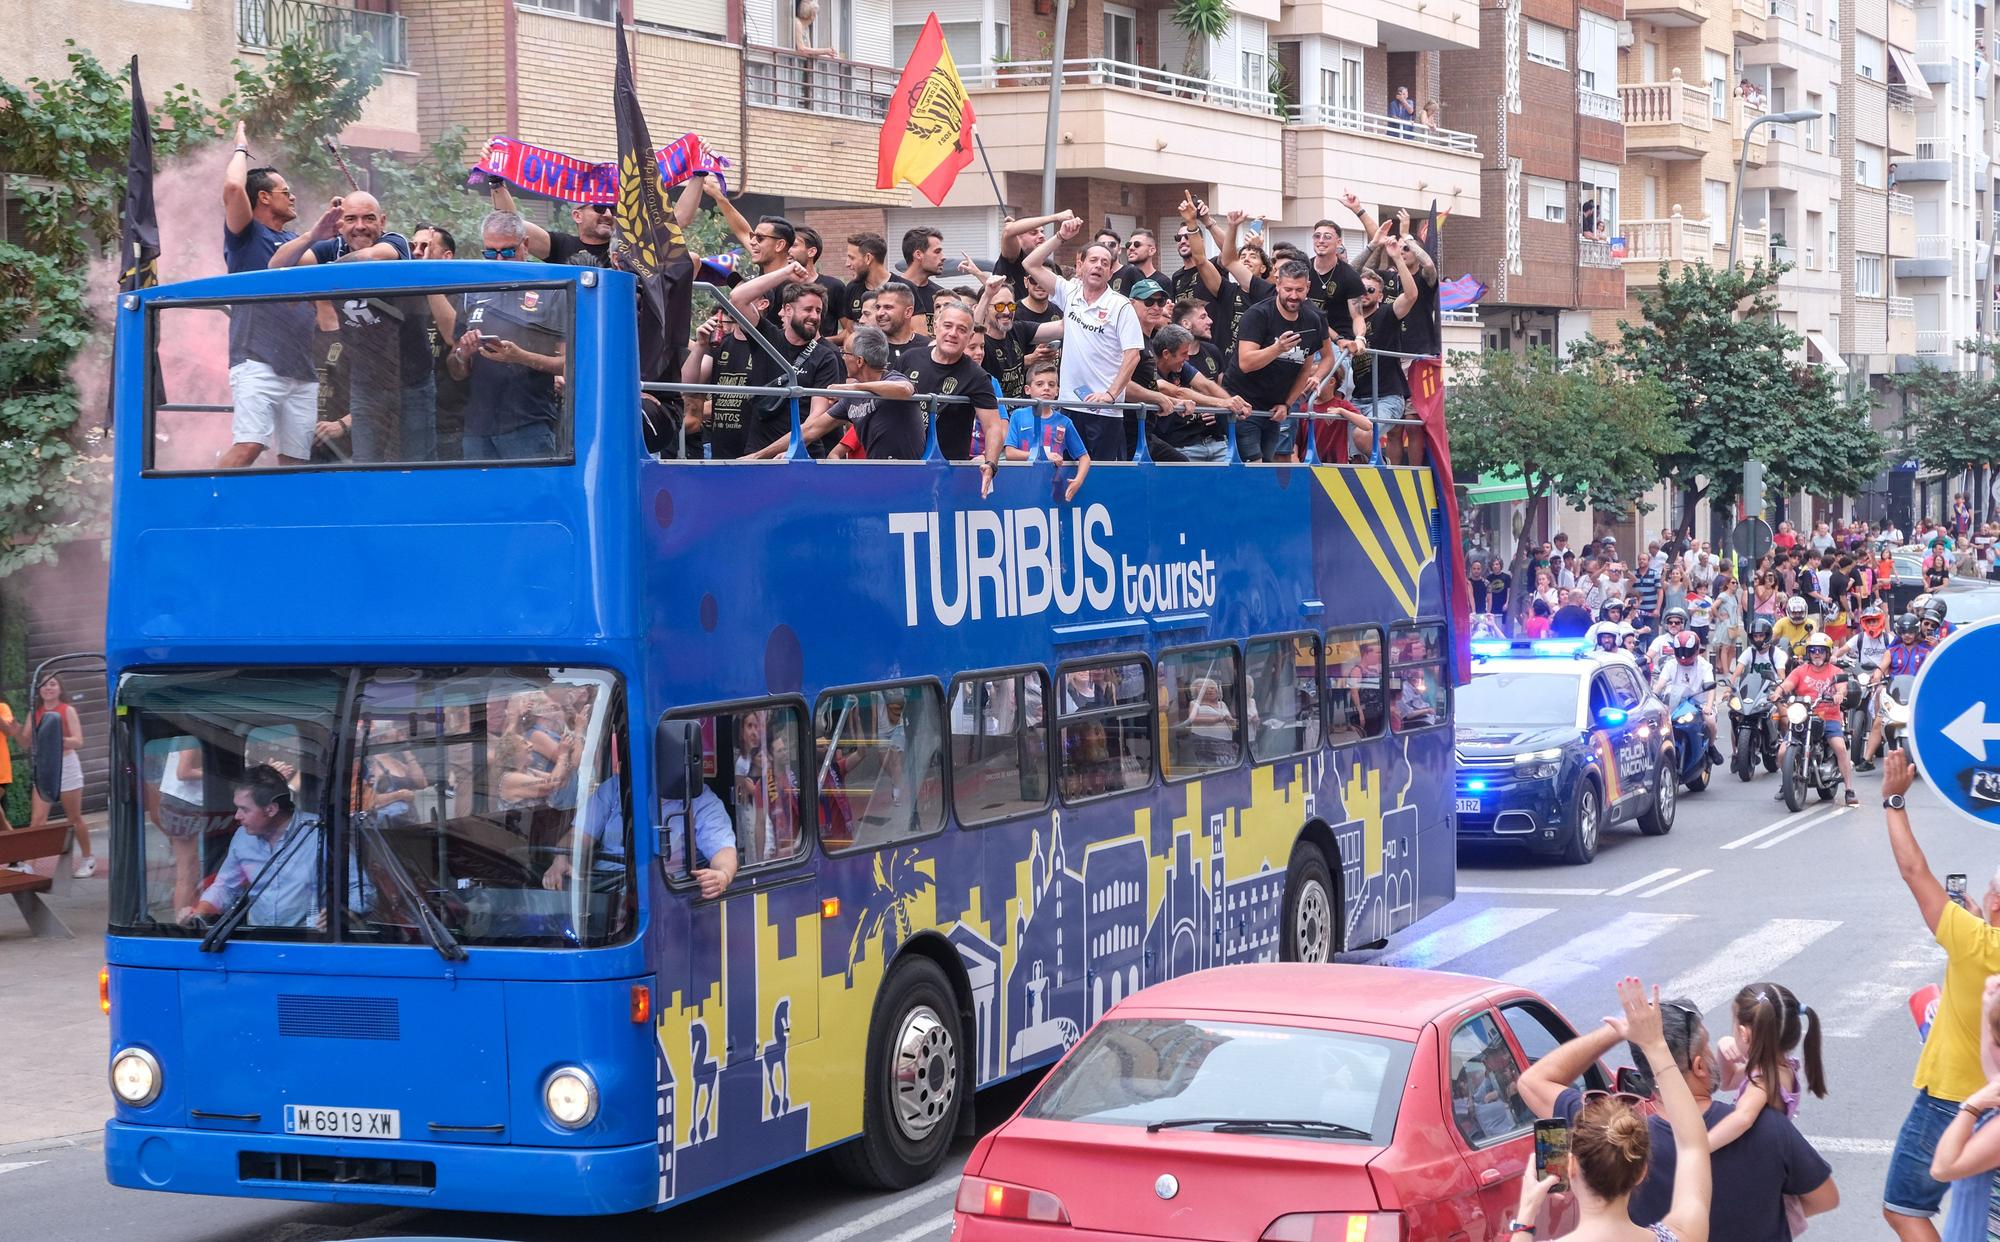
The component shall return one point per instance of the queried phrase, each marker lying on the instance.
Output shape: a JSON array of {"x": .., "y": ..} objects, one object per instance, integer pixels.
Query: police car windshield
[{"x": 1520, "y": 698}]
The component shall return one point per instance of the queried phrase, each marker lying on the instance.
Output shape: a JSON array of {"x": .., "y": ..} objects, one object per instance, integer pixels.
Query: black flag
[
  {"x": 139, "y": 246},
  {"x": 651, "y": 245}
]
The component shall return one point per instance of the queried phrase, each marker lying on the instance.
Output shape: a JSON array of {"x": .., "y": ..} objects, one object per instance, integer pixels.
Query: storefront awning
[{"x": 1503, "y": 487}]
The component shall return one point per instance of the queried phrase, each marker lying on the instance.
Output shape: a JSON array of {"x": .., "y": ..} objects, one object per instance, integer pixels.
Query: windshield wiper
[
  {"x": 1260, "y": 1125},
  {"x": 434, "y": 929},
  {"x": 232, "y": 918}
]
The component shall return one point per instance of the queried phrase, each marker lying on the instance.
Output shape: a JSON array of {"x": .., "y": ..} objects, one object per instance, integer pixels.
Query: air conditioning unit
[{"x": 1625, "y": 36}]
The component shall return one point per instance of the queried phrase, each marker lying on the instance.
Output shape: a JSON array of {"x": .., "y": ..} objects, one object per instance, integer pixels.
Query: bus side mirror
[{"x": 677, "y": 748}]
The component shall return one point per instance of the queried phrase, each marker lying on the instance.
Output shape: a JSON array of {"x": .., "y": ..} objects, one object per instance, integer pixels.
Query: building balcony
[
  {"x": 270, "y": 24},
  {"x": 1652, "y": 246},
  {"x": 1934, "y": 60},
  {"x": 1784, "y": 11},
  {"x": 1933, "y": 259},
  {"x": 1742, "y": 113},
  {"x": 1133, "y": 124},
  {"x": 774, "y": 78},
  {"x": 1670, "y": 12},
  {"x": 1328, "y": 151},
  {"x": 1667, "y": 120},
  {"x": 820, "y": 120},
  {"x": 1902, "y": 226},
  {"x": 1591, "y": 252},
  {"x": 1601, "y": 107},
  {"x": 1899, "y": 327},
  {"x": 1391, "y": 25},
  {"x": 1750, "y": 20},
  {"x": 1902, "y": 122},
  {"x": 1932, "y": 162},
  {"x": 1933, "y": 341}
]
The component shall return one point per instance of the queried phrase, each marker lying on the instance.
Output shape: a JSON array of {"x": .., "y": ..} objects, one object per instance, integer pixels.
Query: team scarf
[{"x": 543, "y": 173}]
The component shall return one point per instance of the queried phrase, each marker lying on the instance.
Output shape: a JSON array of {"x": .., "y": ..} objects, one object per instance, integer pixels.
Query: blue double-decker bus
[{"x": 569, "y": 831}]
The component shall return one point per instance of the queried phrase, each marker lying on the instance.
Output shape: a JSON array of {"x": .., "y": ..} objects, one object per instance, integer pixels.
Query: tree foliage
[
  {"x": 1951, "y": 419},
  {"x": 1579, "y": 429},
  {"x": 1712, "y": 337}
]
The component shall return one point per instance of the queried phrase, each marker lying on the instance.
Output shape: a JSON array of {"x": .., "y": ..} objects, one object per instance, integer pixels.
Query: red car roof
[{"x": 1381, "y": 995}]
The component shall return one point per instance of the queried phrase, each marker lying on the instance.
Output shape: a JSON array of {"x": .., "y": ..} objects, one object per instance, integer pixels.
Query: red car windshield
[{"x": 1193, "y": 1073}]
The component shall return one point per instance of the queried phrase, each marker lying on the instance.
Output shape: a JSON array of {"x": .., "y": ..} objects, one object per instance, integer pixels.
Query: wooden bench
[{"x": 26, "y": 845}]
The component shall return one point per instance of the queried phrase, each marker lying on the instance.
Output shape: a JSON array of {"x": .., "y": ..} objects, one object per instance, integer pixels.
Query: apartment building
[{"x": 1551, "y": 137}]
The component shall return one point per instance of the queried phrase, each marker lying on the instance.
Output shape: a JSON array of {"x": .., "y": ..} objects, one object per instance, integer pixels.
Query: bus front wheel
[
  {"x": 1311, "y": 910},
  {"x": 909, "y": 1112}
]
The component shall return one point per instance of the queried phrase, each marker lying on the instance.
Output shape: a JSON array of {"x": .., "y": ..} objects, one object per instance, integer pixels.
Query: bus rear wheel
[
  {"x": 1310, "y": 916},
  {"x": 912, "y": 1096}
]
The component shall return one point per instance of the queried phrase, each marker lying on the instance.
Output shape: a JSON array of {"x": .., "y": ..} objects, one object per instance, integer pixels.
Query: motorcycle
[
  {"x": 1860, "y": 693},
  {"x": 1750, "y": 725},
  {"x": 1809, "y": 760},
  {"x": 1895, "y": 709},
  {"x": 1691, "y": 743}
]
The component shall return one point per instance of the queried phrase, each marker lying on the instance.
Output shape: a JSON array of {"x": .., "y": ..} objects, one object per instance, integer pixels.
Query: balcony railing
[
  {"x": 1603, "y": 107},
  {"x": 274, "y": 23},
  {"x": 1933, "y": 246},
  {"x": 1677, "y": 238},
  {"x": 1784, "y": 10},
  {"x": 1667, "y": 103},
  {"x": 1933, "y": 148},
  {"x": 1902, "y": 308},
  {"x": 1591, "y": 252},
  {"x": 773, "y": 78},
  {"x": 1933, "y": 341},
  {"x": 1129, "y": 77},
  {"x": 1900, "y": 99},
  {"x": 1934, "y": 51},
  {"x": 1903, "y": 204},
  {"x": 1379, "y": 126},
  {"x": 1464, "y": 316}
]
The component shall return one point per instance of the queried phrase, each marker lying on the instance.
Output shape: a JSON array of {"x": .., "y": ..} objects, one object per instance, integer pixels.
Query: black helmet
[
  {"x": 1906, "y": 625},
  {"x": 1935, "y": 610},
  {"x": 1761, "y": 628}
]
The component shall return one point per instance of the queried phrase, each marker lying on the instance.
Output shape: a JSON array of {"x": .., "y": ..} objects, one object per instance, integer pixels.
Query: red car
[{"x": 1292, "y": 1103}]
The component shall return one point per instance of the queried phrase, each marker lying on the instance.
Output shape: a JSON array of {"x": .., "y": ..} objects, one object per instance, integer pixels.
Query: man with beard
[
  {"x": 272, "y": 382},
  {"x": 1017, "y": 238},
  {"x": 1380, "y": 391},
  {"x": 1273, "y": 366},
  {"x": 923, "y": 258},
  {"x": 1207, "y": 360},
  {"x": 867, "y": 262},
  {"x": 589, "y": 246},
  {"x": 768, "y": 420},
  {"x": 1142, "y": 261},
  {"x": 391, "y": 385},
  {"x": 896, "y": 315}
]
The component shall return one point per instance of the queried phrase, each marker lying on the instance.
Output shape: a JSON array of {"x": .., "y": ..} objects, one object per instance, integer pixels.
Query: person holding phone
[{"x": 1611, "y": 1146}]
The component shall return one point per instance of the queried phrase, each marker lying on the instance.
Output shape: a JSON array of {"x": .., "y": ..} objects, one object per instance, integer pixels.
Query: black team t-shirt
[
  {"x": 1382, "y": 326},
  {"x": 1240, "y": 302},
  {"x": 889, "y": 430},
  {"x": 836, "y": 297},
  {"x": 769, "y": 419},
  {"x": 1007, "y": 358},
  {"x": 573, "y": 250},
  {"x": 1127, "y": 275},
  {"x": 1418, "y": 331},
  {"x": 1026, "y": 314},
  {"x": 852, "y": 294},
  {"x": 1269, "y": 385},
  {"x": 901, "y": 356},
  {"x": 960, "y": 378},
  {"x": 1208, "y": 360},
  {"x": 924, "y": 294},
  {"x": 1332, "y": 291},
  {"x": 729, "y": 363}
]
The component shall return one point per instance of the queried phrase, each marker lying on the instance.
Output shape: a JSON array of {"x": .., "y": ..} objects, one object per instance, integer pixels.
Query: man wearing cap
[
  {"x": 1155, "y": 307},
  {"x": 589, "y": 246}
]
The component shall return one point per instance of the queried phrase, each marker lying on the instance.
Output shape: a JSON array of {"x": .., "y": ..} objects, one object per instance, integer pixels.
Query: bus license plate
[
  {"x": 362, "y": 1123},
  {"x": 1468, "y": 806}
]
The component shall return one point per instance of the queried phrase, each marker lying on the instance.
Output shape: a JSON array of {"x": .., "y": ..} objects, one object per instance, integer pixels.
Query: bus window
[
  {"x": 1354, "y": 709},
  {"x": 1417, "y": 685},
  {"x": 1284, "y": 696},
  {"x": 362, "y": 380},
  {"x": 1200, "y": 711},
  {"x": 881, "y": 766},
  {"x": 999, "y": 745},
  {"x": 751, "y": 758},
  {"x": 1106, "y": 739}
]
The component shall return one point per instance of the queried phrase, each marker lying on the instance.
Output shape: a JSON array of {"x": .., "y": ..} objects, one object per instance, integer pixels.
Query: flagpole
[
  {"x": 1054, "y": 130},
  {"x": 977, "y": 141}
]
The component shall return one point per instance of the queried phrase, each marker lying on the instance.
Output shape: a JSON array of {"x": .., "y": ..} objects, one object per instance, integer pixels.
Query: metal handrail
[
  {"x": 1102, "y": 71},
  {"x": 274, "y": 23},
  {"x": 776, "y": 77},
  {"x": 1378, "y": 125}
]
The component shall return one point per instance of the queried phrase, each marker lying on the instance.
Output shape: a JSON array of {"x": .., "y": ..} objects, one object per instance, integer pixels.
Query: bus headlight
[
  {"x": 570, "y": 1095},
  {"x": 135, "y": 1077}
]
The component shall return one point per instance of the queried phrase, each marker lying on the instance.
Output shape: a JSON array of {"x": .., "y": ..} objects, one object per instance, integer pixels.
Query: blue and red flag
[{"x": 1461, "y": 293}]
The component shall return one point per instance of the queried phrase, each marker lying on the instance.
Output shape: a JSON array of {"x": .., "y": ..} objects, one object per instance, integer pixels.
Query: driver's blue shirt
[{"x": 291, "y": 897}]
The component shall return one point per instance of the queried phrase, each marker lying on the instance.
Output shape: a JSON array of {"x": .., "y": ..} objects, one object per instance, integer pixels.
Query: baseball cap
[{"x": 1147, "y": 289}]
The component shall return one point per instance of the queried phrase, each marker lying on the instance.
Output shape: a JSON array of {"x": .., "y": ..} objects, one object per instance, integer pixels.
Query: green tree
[
  {"x": 1951, "y": 419},
  {"x": 1580, "y": 429},
  {"x": 1712, "y": 337}
]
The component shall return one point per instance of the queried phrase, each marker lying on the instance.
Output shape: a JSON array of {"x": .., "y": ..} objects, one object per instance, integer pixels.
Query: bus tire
[
  {"x": 1312, "y": 910},
  {"x": 914, "y": 1081}
]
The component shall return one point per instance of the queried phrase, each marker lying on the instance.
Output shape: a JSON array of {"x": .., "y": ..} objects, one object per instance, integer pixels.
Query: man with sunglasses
[
  {"x": 273, "y": 385},
  {"x": 589, "y": 246},
  {"x": 1142, "y": 261},
  {"x": 1750, "y": 1177}
]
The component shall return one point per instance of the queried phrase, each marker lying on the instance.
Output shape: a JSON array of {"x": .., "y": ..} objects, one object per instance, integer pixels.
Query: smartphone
[
  {"x": 1954, "y": 887},
  {"x": 1552, "y": 1150},
  {"x": 1634, "y": 1081}
]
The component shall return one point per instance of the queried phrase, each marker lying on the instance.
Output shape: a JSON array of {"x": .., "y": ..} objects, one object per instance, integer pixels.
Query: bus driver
[{"x": 267, "y": 817}]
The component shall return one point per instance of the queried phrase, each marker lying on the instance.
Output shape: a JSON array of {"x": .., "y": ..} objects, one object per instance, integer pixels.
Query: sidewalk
[{"x": 49, "y": 1010}]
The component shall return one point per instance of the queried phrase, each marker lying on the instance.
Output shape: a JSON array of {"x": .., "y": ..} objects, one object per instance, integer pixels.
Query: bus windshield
[
  {"x": 493, "y": 797},
  {"x": 395, "y": 378}
]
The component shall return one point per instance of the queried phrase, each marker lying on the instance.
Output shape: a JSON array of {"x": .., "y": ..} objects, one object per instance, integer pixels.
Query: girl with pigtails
[{"x": 1760, "y": 1062}]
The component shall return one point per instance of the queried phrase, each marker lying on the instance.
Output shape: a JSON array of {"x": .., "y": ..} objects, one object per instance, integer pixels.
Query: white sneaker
[
  {"x": 21, "y": 867},
  {"x": 86, "y": 868}
]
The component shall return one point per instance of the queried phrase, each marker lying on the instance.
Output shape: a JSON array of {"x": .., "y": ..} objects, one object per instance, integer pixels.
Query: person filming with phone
[{"x": 509, "y": 344}]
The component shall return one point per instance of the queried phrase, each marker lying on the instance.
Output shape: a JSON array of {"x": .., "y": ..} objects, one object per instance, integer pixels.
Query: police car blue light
[{"x": 1556, "y": 742}]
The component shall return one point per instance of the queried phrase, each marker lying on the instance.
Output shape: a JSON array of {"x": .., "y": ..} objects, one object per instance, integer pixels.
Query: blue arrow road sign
[{"x": 1955, "y": 721}]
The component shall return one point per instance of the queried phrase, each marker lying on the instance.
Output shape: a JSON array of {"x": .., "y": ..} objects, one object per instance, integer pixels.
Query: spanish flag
[{"x": 927, "y": 136}]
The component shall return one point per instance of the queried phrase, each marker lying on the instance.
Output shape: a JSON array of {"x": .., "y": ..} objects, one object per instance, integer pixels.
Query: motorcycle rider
[
  {"x": 1936, "y": 628},
  {"x": 1763, "y": 654},
  {"x": 1817, "y": 680},
  {"x": 1673, "y": 623},
  {"x": 1868, "y": 646},
  {"x": 1607, "y": 636},
  {"x": 1688, "y": 675},
  {"x": 1794, "y": 628},
  {"x": 1903, "y": 658}
]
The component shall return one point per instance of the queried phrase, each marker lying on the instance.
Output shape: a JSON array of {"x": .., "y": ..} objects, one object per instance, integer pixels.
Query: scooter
[
  {"x": 1860, "y": 692},
  {"x": 1750, "y": 725},
  {"x": 1691, "y": 743},
  {"x": 1895, "y": 709},
  {"x": 1809, "y": 760}
]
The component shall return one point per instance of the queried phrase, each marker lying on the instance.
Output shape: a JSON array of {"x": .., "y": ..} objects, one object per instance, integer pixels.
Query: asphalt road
[{"x": 1739, "y": 891}]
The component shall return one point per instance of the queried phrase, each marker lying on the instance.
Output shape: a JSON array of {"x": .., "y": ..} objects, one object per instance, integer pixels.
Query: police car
[{"x": 1557, "y": 742}]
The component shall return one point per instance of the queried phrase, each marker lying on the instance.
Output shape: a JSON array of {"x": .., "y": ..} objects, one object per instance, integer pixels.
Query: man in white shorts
[{"x": 271, "y": 375}]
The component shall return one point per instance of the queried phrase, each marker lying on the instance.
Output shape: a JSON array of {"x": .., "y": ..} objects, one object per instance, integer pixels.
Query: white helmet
[{"x": 1795, "y": 606}]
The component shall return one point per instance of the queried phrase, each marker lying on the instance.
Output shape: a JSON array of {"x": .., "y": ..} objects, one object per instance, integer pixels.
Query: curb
[{"x": 79, "y": 1139}]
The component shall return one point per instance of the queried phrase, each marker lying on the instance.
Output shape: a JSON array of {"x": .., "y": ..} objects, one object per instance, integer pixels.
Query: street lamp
[{"x": 1773, "y": 118}]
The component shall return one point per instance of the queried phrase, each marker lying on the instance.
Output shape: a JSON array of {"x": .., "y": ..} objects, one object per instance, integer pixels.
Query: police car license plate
[
  {"x": 363, "y": 1123},
  {"x": 1468, "y": 806}
]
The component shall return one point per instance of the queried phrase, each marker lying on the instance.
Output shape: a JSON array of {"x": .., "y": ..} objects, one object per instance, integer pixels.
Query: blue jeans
[
  {"x": 394, "y": 424},
  {"x": 534, "y": 442},
  {"x": 1262, "y": 438},
  {"x": 1207, "y": 450},
  {"x": 1911, "y": 1190}
]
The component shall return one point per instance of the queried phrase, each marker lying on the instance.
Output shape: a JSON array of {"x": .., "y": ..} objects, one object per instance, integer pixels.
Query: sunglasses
[
  {"x": 1003, "y": 308},
  {"x": 1638, "y": 1103},
  {"x": 505, "y": 252},
  {"x": 769, "y": 237},
  {"x": 601, "y": 208}
]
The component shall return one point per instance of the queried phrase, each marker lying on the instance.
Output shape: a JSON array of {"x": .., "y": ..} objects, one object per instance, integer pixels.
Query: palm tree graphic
[{"x": 886, "y": 909}]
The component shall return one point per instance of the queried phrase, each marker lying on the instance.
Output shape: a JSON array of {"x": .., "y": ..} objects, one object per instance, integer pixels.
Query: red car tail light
[
  {"x": 982, "y": 1196},
  {"x": 1336, "y": 1227}
]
